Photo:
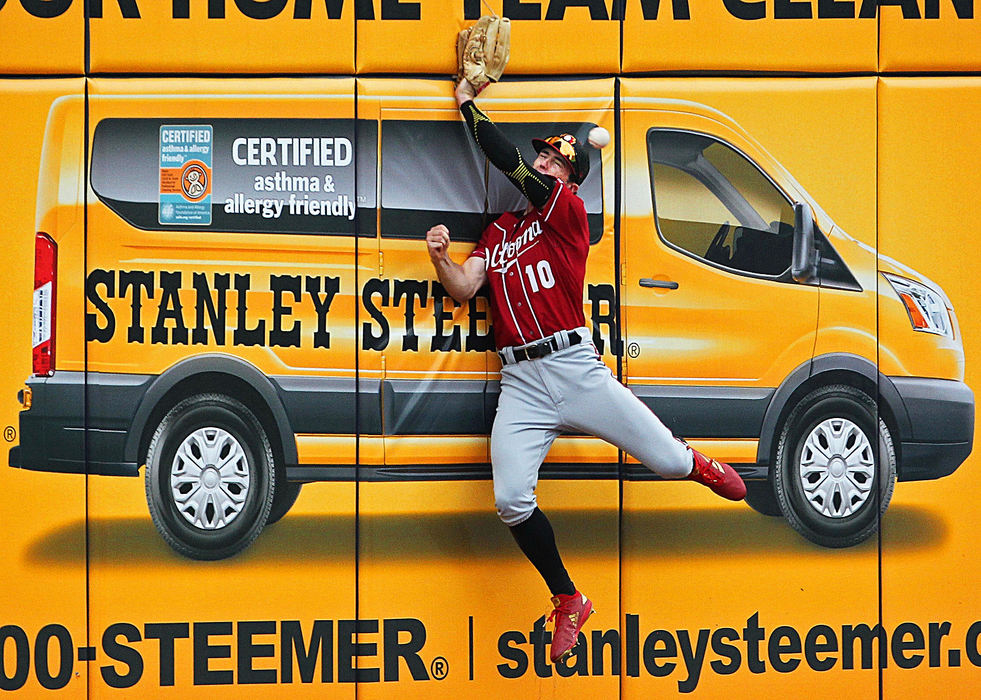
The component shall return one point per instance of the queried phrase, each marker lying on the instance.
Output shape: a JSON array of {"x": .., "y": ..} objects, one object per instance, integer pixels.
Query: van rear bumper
[
  {"x": 936, "y": 426},
  {"x": 57, "y": 434}
]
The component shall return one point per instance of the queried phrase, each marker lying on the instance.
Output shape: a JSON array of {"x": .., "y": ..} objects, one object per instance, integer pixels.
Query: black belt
[{"x": 541, "y": 348}]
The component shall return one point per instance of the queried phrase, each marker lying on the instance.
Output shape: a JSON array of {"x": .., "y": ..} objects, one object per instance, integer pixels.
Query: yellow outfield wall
[{"x": 246, "y": 430}]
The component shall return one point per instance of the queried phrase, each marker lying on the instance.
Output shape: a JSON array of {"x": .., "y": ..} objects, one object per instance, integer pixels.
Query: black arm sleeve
[{"x": 506, "y": 157}]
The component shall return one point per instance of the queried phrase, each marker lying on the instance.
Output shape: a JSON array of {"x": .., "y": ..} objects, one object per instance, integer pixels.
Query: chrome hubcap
[
  {"x": 209, "y": 478},
  {"x": 837, "y": 468}
]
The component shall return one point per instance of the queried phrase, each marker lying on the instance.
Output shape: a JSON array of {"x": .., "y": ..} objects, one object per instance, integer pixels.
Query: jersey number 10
[{"x": 544, "y": 275}]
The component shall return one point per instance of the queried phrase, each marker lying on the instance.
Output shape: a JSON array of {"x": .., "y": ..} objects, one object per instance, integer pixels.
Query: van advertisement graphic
[
  {"x": 185, "y": 175},
  {"x": 229, "y": 173},
  {"x": 248, "y": 429}
]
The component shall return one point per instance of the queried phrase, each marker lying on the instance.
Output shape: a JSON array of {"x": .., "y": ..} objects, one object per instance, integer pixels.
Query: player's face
[{"x": 550, "y": 162}]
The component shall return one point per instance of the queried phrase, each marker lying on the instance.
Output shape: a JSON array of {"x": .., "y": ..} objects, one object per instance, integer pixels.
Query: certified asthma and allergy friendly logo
[{"x": 185, "y": 174}]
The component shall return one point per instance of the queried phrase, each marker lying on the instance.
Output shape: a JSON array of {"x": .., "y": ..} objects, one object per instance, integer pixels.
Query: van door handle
[{"x": 658, "y": 284}]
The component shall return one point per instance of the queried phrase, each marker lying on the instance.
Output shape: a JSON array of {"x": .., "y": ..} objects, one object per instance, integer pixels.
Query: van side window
[
  {"x": 432, "y": 173},
  {"x": 237, "y": 175},
  {"x": 713, "y": 203}
]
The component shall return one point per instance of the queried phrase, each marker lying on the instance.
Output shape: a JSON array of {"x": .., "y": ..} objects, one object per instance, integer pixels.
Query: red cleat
[
  {"x": 570, "y": 613},
  {"x": 718, "y": 476}
]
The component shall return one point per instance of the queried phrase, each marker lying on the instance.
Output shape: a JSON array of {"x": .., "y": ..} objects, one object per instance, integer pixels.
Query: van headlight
[{"x": 926, "y": 307}]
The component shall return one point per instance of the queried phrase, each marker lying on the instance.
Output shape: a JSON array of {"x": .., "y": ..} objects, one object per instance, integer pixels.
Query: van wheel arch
[
  {"x": 827, "y": 370},
  {"x": 213, "y": 373},
  {"x": 857, "y": 381}
]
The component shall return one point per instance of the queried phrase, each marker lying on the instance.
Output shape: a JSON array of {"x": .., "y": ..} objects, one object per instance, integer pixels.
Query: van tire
[
  {"x": 215, "y": 521},
  {"x": 828, "y": 440},
  {"x": 761, "y": 498},
  {"x": 286, "y": 494}
]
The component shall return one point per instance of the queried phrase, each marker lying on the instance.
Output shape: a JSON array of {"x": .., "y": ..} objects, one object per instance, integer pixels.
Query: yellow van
[{"x": 231, "y": 289}]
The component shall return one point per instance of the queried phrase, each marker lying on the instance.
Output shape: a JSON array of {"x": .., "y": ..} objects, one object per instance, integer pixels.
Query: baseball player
[{"x": 552, "y": 378}]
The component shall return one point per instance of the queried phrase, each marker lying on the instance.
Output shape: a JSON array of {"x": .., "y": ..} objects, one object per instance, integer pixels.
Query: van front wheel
[
  {"x": 209, "y": 477},
  {"x": 831, "y": 481}
]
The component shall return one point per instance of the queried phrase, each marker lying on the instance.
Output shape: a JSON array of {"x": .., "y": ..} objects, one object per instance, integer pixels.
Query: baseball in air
[{"x": 598, "y": 137}]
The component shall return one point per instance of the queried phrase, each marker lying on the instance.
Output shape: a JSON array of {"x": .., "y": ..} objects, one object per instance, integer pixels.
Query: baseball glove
[{"x": 483, "y": 51}]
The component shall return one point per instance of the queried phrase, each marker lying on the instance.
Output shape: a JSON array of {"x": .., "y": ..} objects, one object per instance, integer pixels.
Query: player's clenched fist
[{"x": 438, "y": 241}]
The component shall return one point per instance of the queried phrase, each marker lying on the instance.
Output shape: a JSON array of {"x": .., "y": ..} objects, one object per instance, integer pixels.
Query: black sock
[{"x": 537, "y": 540}]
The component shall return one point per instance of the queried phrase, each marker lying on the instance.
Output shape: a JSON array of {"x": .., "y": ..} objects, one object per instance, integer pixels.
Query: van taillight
[{"x": 45, "y": 288}]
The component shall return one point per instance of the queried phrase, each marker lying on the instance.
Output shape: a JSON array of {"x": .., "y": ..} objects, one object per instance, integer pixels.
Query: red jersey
[{"x": 536, "y": 266}]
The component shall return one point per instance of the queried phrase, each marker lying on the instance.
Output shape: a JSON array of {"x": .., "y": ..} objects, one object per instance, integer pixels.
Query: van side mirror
[{"x": 804, "y": 265}]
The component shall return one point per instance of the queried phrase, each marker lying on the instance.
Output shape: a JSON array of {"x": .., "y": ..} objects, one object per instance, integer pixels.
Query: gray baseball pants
[{"x": 569, "y": 390}]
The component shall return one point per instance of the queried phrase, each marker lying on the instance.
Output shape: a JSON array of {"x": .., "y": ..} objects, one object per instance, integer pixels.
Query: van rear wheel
[
  {"x": 209, "y": 477},
  {"x": 835, "y": 467}
]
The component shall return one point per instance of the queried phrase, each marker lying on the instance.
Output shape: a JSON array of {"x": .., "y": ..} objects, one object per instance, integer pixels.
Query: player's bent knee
[{"x": 515, "y": 509}]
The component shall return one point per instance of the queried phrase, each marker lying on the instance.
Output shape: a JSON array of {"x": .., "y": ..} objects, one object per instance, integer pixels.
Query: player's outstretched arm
[
  {"x": 503, "y": 154},
  {"x": 461, "y": 281}
]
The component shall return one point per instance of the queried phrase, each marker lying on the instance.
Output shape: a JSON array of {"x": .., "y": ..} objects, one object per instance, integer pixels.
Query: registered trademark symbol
[
  {"x": 9, "y": 433},
  {"x": 633, "y": 349},
  {"x": 440, "y": 668}
]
